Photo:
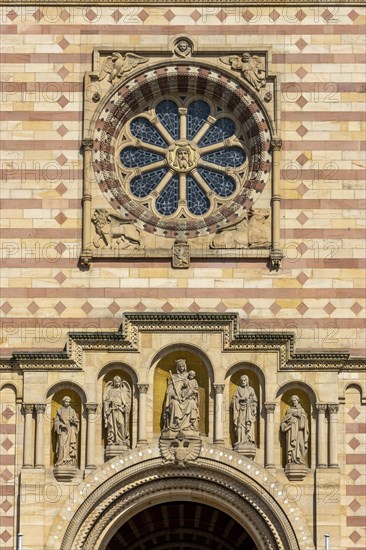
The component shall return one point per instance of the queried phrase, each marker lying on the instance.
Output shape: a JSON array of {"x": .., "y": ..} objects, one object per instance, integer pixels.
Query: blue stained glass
[
  {"x": 141, "y": 128},
  {"x": 222, "y": 129},
  {"x": 168, "y": 115},
  {"x": 220, "y": 183},
  {"x": 197, "y": 201},
  {"x": 197, "y": 114},
  {"x": 167, "y": 202},
  {"x": 133, "y": 157},
  {"x": 141, "y": 186},
  {"x": 232, "y": 157}
]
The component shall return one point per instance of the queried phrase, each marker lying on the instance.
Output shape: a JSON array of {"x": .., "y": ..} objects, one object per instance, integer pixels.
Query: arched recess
[
  {"x": 126, "y": 485},
  {"x": 307, "y": 398},
  {"x": 195, "y": 360}
]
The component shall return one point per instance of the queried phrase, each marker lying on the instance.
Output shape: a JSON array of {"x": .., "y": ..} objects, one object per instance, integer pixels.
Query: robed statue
[
  {"x": 244, "y": 405},
  {"x": 66, "y": 426},
  {"x": 117, "y": 408},
  {"x": 181, "y": 406},
  {"x": 296, "y": 427}
]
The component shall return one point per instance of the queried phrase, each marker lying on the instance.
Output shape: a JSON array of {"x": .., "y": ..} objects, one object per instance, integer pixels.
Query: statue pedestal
[
  {"x": 186, "y": 434},
  {"x": 246, "y": 449},
  {"x": 296, "y": 472},
  {"x": 65, "y": 472},
  {"x": 115, "y": 450}
]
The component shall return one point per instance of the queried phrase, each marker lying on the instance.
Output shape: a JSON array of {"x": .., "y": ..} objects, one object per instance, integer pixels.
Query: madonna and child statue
[{"x": 181, "y": 405}]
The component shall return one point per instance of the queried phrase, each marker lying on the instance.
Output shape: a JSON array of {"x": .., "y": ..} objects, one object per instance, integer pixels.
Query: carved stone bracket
[
  {"x": 181, "y": 450},
  {"x": 142, "y": 388}
]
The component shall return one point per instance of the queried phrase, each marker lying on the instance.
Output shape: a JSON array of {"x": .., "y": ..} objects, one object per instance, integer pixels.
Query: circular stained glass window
[{"x": 182, "y": 158}]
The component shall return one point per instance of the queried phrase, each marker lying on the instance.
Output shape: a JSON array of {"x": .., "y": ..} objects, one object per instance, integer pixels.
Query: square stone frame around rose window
[{"x": 97, "y": 243}]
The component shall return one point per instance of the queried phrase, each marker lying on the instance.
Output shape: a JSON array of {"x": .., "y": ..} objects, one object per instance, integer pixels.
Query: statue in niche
[
  {"x": 251, "y": 68},
  {"x": 245, "y": 404},
  {"x": 259, "y": 231},
  {"x": 117, "y": 408},
  {"x": 117, "y": 64},
  {"x": 181, "y": 407},
  {"x": 113, "y": 232},
  {"x": 182, "y": 48},
  {"x": 66, "y": 426},
  {"x": 296, "y": 427}
]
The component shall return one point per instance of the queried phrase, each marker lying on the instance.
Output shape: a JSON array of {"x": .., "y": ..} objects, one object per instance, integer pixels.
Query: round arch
[
  {"x": 183, "y": 347},
  {"x": 113, "y": 494}
]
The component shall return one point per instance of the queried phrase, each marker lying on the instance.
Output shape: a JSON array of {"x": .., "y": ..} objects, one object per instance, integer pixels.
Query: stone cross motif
[
  {"x": 117, "y": 408},
  {"x": 66, "y": 426},
  {"x": 244, "y": 404}
]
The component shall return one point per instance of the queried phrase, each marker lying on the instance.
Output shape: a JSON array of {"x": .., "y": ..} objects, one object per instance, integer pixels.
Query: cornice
[
  {"x": 234, "y": 340},
  {"x": 179, "y": 3}
]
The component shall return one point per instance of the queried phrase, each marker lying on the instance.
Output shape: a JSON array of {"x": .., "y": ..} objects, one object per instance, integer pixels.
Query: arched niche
[
  {"x": 256, "y": 381},
  {"x": 353, "y": 394},
  {"x": 56, "y": 404},
  {"x": 306, "y": 400},
  {"x": 165, "y": 364},
  {"x": 126, "y": 374}
]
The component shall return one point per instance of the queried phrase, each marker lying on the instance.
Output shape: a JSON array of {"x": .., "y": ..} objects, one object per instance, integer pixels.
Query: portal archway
[
  {"x": 181, "y": 525},
  {"x": 220, "y": 478}
]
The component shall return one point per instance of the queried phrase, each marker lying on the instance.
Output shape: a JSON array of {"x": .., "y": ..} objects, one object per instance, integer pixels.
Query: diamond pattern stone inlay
[
  {"x": 354, "y": 474},
  {"x": 7, "y": 444},
  {"x": 354, "y": 413},
  {"x": 354, "y": 443},
  {"x": 6, "y": 475}
]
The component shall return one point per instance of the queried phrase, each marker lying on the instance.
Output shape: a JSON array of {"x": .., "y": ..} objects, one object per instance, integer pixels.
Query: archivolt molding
[
  {"x": 127, "y": 339},
  {"x": 140, "y": 475}
]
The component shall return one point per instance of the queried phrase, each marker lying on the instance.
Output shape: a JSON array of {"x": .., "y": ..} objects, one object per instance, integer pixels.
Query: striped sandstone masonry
[
  {"x": 318, "y": 55},
  {"x": 317, "y": 52}
]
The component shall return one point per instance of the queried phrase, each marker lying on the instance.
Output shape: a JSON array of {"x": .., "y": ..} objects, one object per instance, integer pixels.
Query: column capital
[
  {"x": 270, "y": 407},
  {"x": 276, "y": 144},
  {"x": 40, "y": 407},
  {"x": 91, "y": 407},
  {"x": 28, "y": 408},
  {"x": 321, "y": 408},
  {"x": 218, "y": 388},
  {"x": 142, "y": 388},
  {"x": 333, "y": 408}
]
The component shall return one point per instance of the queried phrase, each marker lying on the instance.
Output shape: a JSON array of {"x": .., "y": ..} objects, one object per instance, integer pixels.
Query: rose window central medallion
[{"x": 182, "y": 158}]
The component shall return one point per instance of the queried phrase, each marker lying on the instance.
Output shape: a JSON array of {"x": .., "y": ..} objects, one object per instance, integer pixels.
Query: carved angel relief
[
  {"x": 113, "y": 232},
  {"x": 119, "y": 63},
  {"x": 251, "y": 68}
]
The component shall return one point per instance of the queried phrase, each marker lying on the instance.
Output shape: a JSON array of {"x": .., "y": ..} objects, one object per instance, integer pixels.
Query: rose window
[{"x": 182, "y": 158}]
